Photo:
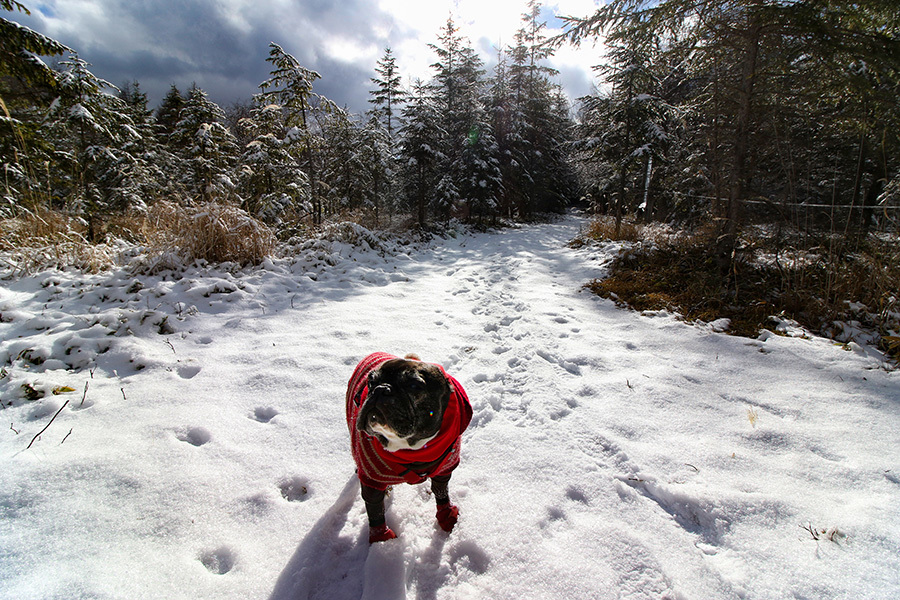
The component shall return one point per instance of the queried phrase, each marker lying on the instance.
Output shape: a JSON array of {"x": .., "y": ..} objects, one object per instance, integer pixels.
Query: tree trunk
[{"x": 728, "y": 237}]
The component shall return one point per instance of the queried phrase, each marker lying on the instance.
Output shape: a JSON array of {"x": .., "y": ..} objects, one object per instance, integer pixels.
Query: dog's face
[{"x": 405, "y": 404}]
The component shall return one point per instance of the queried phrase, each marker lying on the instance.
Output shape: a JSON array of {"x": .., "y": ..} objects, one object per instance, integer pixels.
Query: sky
[{"x": 222, "y": 45}]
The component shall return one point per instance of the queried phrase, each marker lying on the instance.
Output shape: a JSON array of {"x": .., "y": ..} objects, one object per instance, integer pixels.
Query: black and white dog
[{"x": 406, "y": 418}]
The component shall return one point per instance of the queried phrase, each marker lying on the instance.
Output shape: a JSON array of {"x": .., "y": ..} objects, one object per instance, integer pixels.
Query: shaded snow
[{"x": 611, "y": 455}]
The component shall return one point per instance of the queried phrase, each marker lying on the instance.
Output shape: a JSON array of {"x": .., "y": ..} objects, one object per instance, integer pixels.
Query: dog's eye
[{"x": 416, "y": 385}]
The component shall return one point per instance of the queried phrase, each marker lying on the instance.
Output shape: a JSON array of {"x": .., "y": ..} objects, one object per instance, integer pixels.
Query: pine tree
[
  {"x": 420, "y": 153},
  {"x": 168, "y": 113},
  {"x": 273, "y": 185},
  {"x": 291, "y": 87},
  {"x": 539, "y": 123},
  {"x": 472, "y": 177},
  {"x": 27, "y": 86},
  {"x": 208, "y": 149},
  {"x": 764, "y": 114},
  {"x": 90, "y": 129},
  {"x": 389, "y": 96}
]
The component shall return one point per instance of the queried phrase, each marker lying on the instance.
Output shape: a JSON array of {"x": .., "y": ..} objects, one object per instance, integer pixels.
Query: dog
[{"x": 406, "y": 418}]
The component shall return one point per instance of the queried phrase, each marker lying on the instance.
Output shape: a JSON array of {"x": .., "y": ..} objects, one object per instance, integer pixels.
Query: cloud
[{"x": 222, "y": 45}]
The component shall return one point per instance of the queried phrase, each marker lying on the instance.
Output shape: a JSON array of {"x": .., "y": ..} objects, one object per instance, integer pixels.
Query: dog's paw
[
  {"x": 381, "y": 534},
  {"x": 447, "y": 516}
]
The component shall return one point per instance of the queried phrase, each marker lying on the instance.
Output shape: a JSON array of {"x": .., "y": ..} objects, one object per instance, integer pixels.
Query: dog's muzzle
[{"x": 374, "y": 399}]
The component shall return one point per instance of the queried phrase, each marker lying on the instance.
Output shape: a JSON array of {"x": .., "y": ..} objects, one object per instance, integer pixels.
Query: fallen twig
[
  {"x": 86, "y": 384},
  {"x": 47, "y": 425},
  {"x": 14, "y": 429},
  {"x": 67, "y": 437}
]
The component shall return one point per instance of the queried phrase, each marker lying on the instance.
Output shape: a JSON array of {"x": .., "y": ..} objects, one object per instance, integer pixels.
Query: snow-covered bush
[{"x": 217, "y": 233}]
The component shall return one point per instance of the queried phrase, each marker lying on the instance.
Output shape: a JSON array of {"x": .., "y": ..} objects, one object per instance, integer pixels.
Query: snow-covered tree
[
  {"x": 90, "y": 129},
  {"x": 291, "y": 87},
  {"x": 208, "y": 149},
  {"x": 421, "y": 155},
  {"x": 27, "y": 86},
  {"x": 388, "y": 96},
  {"x": 273, "y": 185}
]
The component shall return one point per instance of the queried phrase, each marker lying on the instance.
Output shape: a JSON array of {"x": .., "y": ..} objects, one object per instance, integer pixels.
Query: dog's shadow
[
  {"x": 330, "y": 566},
  {"x": 326, "y": 565}
]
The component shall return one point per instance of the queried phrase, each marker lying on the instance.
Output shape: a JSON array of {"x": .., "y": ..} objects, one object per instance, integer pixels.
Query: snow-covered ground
[{"x": 203, "y": 452}]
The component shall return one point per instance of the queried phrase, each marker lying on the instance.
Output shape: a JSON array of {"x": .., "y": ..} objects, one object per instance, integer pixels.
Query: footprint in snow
[
  {"x": 188, "y": 371},
  {"x": 195, "y": 436},
  {"x": 576, "y": 495},
  {"x": 264, "y": 414},
  {"x": 218, "y": 561},
  {"x": 294, "y": 489},
  {"x": 468, "y": 555}
]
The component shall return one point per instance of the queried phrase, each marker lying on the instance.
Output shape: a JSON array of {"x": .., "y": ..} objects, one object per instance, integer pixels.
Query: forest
[{"x": 749, "y": 148}]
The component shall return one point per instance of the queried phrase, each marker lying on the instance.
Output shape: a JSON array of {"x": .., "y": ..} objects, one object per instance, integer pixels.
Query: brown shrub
[
  {"x": 46, "y": 239},
  {"x": 212, "y": 232},
  {"x": 813, "y": 286}
]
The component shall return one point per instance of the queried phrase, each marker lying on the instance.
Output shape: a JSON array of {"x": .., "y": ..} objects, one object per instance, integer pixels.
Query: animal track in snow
[
  {"x": 195, "y": 436},
  {"x": 294, "y": 489},
  {"x": 468, "y": 555},
  {"x": 264, "y": 414},
  {"x": 565, "y": 364},
  {"x": 218, "y": 561},
  {"x": 188, "y": 371}
]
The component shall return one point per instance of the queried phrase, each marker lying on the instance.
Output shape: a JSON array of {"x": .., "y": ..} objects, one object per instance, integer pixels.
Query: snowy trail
[{"x": 611, "y": 454}]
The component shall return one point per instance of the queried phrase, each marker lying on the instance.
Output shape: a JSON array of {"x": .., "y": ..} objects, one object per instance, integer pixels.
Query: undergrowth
[{"x": 821, "y": 285}]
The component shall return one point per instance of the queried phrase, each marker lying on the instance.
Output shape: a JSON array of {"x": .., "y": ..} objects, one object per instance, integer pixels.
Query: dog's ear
[{"x": 436, "y": 382}]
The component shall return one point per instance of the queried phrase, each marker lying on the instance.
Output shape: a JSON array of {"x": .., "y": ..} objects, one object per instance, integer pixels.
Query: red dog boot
[
  {"x": 382, "y": 533},
  {"x": 447, "y": 516}
]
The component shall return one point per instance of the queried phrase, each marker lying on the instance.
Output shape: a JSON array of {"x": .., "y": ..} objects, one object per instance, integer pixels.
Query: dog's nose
[{"x": 383, "y": 389}]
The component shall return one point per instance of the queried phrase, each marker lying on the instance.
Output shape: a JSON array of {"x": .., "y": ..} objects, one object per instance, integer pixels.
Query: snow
[{"x": 203, "y": 452}]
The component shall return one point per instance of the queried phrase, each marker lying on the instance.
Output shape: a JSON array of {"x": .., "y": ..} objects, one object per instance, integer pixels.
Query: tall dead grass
[
  {"x": 45, "y": 239},
  {"x": 216, "y": 233},
  {"x": 820, "y": 288}
]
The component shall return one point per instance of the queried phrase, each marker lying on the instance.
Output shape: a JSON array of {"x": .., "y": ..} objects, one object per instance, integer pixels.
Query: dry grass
[
  {"x": 173, "y": 236},
  {"x": 815, "y": 286},
  {"x": 215, "y": 233},
  {"x": 604, "y": 229},
  {"x": 47, "y": 239}
]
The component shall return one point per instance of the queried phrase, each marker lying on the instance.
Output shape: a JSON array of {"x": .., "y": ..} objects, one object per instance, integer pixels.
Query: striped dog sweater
[{"x": 376, "y": 467}]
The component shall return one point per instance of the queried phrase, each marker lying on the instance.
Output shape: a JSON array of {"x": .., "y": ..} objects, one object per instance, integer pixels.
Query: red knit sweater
[{"x": 378, "y": 468}]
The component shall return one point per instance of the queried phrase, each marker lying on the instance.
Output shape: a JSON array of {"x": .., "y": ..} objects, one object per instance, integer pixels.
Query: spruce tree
[
  {"x": 168, "y": 114},
  {"x": 90, "y": 129},
  {"x": 208, "y": 149},
  {"x": 274, "y": 188},
  {"x": 421, "y": 155},
  {"x": 291, "y": 87},
  {"x": 389, "y": 96},
  {"x": 27, "y": 86}
]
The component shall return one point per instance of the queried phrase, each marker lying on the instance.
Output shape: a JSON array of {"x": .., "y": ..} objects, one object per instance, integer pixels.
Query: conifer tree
[
  {"x": 168, "y": 114},
  {"x": 27, "y": 86},
  {"x": 90, "y": 129},
  {"x": 389, "y": 96},
  {"x": 540, "y": 123},
  {"x": 291, "y": 87},
  {"x": 208, "y": 149},
  {"x": 273, "y": 185},
  {"x": 420, "y": 153}
]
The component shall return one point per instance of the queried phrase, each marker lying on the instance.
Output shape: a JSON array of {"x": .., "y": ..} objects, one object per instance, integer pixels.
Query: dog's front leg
[
  {"x": 378, "y": 529},
  {"x": 447, "y": 513}
]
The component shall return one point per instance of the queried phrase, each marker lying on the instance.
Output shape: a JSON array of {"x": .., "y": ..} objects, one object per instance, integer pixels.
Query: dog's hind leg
[
  {"x": 447, "y": 513},
  {"x": 378, "y": 529}
]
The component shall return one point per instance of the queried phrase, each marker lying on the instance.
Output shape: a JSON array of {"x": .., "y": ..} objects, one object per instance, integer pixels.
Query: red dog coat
[{"x": 376, "y": 467}]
